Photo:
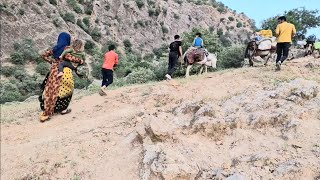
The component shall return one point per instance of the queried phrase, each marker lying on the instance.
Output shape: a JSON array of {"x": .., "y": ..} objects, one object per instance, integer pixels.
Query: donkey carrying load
[
  {"x": 263, "y": 48},
  {"x": 199, "y": 56}
]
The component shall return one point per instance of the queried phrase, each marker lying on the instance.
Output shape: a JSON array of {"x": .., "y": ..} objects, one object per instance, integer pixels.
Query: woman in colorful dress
[{"x": 57, "y": 91}]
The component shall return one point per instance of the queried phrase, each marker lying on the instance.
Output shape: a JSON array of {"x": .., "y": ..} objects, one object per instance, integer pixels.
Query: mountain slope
[
  {"x": 249, "y": 122},
  {"x": 144, "y": 23}
]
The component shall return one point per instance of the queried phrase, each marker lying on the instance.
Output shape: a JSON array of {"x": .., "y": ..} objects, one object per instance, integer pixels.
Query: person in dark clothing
[
  {"x": 111, "y": 60},
  {"x": 174, "y": 54}
]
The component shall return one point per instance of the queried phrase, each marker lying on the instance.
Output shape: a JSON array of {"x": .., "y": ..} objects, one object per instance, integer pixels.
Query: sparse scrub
[
  {"x": 86, "y": 21},
  {"x": 89, "y": 47},
  {"x": 231, "y": 18},
  {"x": 43, "y": 68},
  {"x": 140, "y": 75},
  {"x": 176, "y": 16},
  {"x": 231, "y": 57},
  {"x": 165, "y": 30},
  {"x": 128, "y": 45},
  {"x": 76, "y": 7},
  {"x": 21, "y": 12},
  {"x": 53, "y": 2},
  {"x": 24, "y": 52},
  {"x": 239, "y": 25},
  {"x": 96, "y": 34},
  {"x": 140, "y": 3},
  {"x": 69, "y": 17}
]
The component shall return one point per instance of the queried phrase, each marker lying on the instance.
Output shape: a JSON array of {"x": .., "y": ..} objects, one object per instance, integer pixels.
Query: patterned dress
[{"x": 56, "y": 91}]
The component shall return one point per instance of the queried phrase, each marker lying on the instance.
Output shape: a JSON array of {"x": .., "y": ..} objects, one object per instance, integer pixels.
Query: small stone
[
  {"x": 236, "y": 176},
  {"x": 113, "y": 143},
  {"x": 226, "y": 165},
  {"x": 258, "y": 164},
  {"x": 219, "y": 143}
]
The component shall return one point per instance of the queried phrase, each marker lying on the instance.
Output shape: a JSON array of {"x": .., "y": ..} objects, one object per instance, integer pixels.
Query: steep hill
[
  {"x": 146, "y": 24},
  {"x": 248, "y": 123}
]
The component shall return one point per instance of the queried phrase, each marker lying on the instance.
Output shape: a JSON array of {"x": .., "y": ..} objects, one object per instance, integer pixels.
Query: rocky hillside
[
  {"x": 146, "y": 24},
  {"x": 236, "y": 124}
]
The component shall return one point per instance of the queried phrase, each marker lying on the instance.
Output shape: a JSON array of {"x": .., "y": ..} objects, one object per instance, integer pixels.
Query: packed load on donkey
[{"x": 261, "y": 44}]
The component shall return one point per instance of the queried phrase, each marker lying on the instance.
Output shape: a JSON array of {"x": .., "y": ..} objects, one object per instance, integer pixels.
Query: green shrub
[
  {"x": 40, "y": 2},
  {"x": 165, "y": 30},
  {"x": 7, "y": 70},
  {"x": 158, "y": 52},
  {"x": 160, "y": 69},
  {"x": 56, "y": 22},
  {"x": 96, "y": 64},
  {"x": 21, "y": 12},
  {"x": 24, "y": 51},
  {"x": 96, "y": 34},
  {"x": 74, "y": 4},
  {"x": 86, "y": 21},
  {"x": 221, "y": 9},
  {"x": 81, "y": 83},
  {"x": 226, "y": 42},
  {"x": 231, "y": 57},
  {"x": 43, "y": 68},
  {"x": 9, "y": 93},
  {"x": 140, "y": 75},
  {"x": 53, "y": 2},
  {"x": 239, "y": 25},
  {"x": 19, "y": 74},
  {"x": 119, "y": 82},
  {"x": 36, "y": 9},
  {"x": 127, "y": 43},
  {"x": 176, "y": 16},
  {"x": 164, "y": 11},
  {"x": 82, "y": 26},
  {"x": 29, "y": 85},
  {"x": 220, "y": 32},
  {"x": 178, "y": 1},
  {"x": 89, "y": 9},
  {"x": 17, "y": 58},
  {"x": 231, "y": 18},
  {"x": 69, "y": 17},
  {"x": 89, "y": 47}
]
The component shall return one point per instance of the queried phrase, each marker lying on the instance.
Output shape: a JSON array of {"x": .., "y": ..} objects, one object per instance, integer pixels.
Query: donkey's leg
[
  {"x": 188, "y": 71},
  {"x": 201, "y": 70},
  {"x": 268, "y": 57},
  {"x": 205, "y": 69}
]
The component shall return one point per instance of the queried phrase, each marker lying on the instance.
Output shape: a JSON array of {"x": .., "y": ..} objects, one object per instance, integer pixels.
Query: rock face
[
  {"x": 146, "y": 27},
  {"x": 169, "y": 152}
]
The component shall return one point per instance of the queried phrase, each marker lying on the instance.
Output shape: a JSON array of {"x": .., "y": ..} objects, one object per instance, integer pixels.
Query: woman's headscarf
[{"x": 63, "y": 41}]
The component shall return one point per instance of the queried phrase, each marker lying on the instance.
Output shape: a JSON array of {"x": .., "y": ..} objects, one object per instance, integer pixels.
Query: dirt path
[{"x": 108, "y": 137}]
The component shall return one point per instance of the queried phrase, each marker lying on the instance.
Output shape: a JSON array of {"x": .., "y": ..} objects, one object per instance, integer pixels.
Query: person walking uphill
[
  {"x": 284, "y": 32},
  {"x": 111, "y": 60},
  {"x": 174, "y": 54},
  {"x": 56, "y": 92}
]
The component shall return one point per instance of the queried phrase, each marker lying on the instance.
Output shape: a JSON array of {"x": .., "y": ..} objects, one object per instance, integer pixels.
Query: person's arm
[
  {"x": 277, "y": 31},
  {"x": 46, "y": 56},
  {"x": 180, "y": 50},
  {"x": 202, "y": 43},
  {"x": 116, "y": 62},
  {"x": 294, "y": 31},
  {"x": 66, "y": 51},
  {"x": 194, "y": 42},
  {"x": 72, "y": 58}
]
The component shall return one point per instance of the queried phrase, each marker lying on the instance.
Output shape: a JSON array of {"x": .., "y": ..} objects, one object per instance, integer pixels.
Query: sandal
[
  {"x": 43, "y": 117},
  {"x": 67, "y": 111}
]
